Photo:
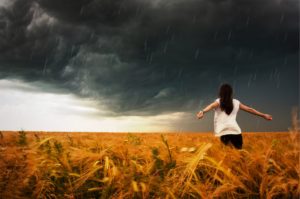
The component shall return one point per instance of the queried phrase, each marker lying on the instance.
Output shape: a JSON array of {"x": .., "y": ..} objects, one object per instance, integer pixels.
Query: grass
[{"x": 120, "y": 165}]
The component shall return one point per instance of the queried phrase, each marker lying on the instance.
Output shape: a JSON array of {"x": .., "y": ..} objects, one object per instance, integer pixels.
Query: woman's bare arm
[
  {"x": 213, "y": 105},
  {"x": 255, "y": 112}
]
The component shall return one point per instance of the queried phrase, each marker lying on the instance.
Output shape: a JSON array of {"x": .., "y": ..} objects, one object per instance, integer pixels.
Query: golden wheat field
[{"x": 148, "y": 165}]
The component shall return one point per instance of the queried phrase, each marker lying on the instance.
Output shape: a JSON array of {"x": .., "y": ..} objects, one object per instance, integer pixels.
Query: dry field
[{"x": 169, "y": 165}]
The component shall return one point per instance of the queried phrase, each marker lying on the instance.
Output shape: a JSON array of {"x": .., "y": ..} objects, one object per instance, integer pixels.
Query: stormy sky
[{"x": 145, "y": 65}]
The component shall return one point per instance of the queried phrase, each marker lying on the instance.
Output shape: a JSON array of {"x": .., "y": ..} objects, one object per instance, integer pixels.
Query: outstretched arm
[
  {"x": 255, "y": 112},
  {"x": 213, "y": 105}
]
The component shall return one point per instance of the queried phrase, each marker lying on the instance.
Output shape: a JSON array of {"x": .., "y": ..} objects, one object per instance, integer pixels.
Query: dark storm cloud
[{"x": 147, "y": 57}]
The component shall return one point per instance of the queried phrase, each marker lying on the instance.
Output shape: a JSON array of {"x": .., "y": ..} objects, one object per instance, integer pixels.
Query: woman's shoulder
[{"x": 236, "y": 100}]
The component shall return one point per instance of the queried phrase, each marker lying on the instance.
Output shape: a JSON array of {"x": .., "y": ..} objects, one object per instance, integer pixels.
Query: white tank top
[{"x": 226, "y": 124}]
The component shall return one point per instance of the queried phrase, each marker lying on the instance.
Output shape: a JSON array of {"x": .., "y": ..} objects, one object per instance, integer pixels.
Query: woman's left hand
[{"x": 200, "y": 115}]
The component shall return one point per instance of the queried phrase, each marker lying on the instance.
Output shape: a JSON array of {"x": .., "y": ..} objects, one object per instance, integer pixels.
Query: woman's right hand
[{"x": 267, "y": 117}]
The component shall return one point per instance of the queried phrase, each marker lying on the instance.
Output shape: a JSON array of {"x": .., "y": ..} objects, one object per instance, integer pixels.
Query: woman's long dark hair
[{"x": 225, "y": 94}]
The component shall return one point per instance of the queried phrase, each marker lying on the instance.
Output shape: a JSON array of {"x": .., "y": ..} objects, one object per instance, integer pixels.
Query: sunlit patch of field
[{"x": 169, "y": 165}]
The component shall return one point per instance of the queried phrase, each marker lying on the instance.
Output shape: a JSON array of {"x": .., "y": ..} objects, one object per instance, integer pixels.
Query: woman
[{"x": 226, "y": 108}]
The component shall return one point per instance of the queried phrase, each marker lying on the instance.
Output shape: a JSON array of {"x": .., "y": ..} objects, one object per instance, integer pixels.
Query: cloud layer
[{"x": 142, "y": 57}]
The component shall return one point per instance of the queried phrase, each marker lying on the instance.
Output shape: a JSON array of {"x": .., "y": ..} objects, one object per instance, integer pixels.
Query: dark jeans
[{"x": 235, "y": 140}]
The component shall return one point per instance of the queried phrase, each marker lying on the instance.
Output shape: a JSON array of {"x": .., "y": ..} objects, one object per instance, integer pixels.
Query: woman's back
[{"x": 226, "y": 124}]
